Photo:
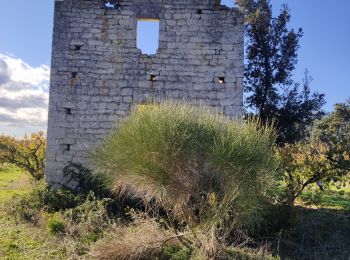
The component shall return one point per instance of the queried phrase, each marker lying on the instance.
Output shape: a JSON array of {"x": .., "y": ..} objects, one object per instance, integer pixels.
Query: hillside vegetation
[{"x": 189, "y": 184}]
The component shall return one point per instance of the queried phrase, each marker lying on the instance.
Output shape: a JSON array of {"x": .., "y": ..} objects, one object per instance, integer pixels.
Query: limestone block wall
[{"x": 98, "y": 74}]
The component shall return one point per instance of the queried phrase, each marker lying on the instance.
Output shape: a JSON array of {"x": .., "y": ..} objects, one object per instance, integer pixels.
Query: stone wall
[{"x": 98, "y": 74}]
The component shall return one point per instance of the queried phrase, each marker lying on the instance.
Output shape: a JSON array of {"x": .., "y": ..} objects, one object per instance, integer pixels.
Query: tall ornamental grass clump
[{"x": 208, "y": 172}]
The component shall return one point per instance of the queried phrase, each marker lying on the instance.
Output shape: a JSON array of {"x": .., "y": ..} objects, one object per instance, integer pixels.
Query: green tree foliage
[
  {"x": 208, "y": 172},
  {"x": 27, "y": 153},
  {"x": 271, "y": 53},
  {"x": 334, "y": 130},
  {"x": 325, "y": 157}
]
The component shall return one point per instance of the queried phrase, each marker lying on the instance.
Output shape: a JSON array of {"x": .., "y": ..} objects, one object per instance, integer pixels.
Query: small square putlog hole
[
  {"x": 68, "y": 110},
  {"x": 153, "y": 78},
  {"x": 78, "y": 47},
  {"x": 74, "y": 75},
  {"x": 67, "y": 147},
  {"x": 222, "y": 80},
  {"x": 199, "y": 11}
]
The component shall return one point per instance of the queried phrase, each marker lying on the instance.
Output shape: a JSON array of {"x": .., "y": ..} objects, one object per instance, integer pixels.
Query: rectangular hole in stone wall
[
  {"x": 78, "y": 47},
  {"x": 221, "y": 80},
  {"x": 148, "y": 35},
  {"x": 68, "y": 110},
  {"x": 152, "y": 78}
]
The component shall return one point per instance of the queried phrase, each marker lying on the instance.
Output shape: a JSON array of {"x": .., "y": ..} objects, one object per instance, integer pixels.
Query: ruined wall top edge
[{"x": 208, "y": 3}]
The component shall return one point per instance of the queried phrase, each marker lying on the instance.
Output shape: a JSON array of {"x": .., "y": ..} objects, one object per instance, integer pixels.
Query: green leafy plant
[
  {"x": 90, "y": 218},
  {"x": 55, "y": 224}
]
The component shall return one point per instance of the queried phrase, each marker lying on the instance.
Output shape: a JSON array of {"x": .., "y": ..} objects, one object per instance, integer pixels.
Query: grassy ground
[
  {"x": 322, "y": 229},
  {"x": 19, "y": 240},
  {"x": 12, "y": 182},
  {"x": 333, "y": 198}
]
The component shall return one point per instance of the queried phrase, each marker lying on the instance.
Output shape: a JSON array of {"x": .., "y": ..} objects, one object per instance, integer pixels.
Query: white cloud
[{"x": 23, "y": 96}]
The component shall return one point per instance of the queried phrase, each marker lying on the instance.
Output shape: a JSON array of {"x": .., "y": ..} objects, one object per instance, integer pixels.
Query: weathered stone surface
[{"x": 98, "y": 74}]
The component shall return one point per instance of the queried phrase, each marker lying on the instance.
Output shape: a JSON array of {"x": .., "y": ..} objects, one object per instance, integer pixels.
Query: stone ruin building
[{"x": 98, "y": 74}]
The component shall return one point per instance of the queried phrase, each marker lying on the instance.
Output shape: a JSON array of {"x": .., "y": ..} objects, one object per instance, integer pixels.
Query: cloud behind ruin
[{"x": 23, "y": 95}]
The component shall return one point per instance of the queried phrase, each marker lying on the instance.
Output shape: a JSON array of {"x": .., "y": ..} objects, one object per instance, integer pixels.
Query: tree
[
  {"x": 271, "y": 53},
  {"x": 28, "y": 153},
  {"x": 297, "y": 111},
  {"x": 334, "y": 130},
  {"x": 325, "y": 157}
]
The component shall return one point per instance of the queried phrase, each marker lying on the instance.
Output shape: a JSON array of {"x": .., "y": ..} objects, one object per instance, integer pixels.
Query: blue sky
[{"x": 25, "y": 49}]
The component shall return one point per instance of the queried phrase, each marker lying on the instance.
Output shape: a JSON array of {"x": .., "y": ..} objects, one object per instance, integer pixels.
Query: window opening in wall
[
  {"x": 74, "y": 75},
  {"x": 148, "y": 35},
  {"x": 199, "y": 11}
]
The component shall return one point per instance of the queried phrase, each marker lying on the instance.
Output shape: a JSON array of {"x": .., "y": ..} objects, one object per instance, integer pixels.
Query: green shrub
[
  {"x": 29, "y": 206},
  {"x": 55, "y": 224},
  {"x": 205, "y": 170},
  {"x": 90, "y": 218},
  {"x": 59, "y": 199}
]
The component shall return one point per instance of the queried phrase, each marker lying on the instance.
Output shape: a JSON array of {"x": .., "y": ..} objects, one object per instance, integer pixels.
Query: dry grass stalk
[{"x": 145, "y": 239}]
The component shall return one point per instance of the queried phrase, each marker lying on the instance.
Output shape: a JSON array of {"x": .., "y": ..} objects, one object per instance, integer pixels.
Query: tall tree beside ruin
[{"x": 271, "y": 55}]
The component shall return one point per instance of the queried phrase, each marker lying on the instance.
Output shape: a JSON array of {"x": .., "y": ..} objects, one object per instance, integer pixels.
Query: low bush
[
  {"x": 89, "y": 219},
  {"x": 207, "y": 172},
  {"x": 29, "y": 206},
  {"x": 55, "y": 224}
]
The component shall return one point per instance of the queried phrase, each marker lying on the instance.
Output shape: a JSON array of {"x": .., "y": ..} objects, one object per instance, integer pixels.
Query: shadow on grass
[{"x": 317, "y": 234}]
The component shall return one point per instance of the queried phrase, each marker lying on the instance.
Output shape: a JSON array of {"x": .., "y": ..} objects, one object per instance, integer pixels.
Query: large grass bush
[{"x": 209, "y": 173}]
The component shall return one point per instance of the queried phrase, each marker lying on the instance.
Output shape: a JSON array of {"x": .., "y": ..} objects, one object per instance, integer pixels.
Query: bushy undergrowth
[
  {"x": 30, "y": 205},
  {"x": 79, "y": 216},
  {"x": 55, "y": 224},
  {"x": 207, "y": 172}
]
